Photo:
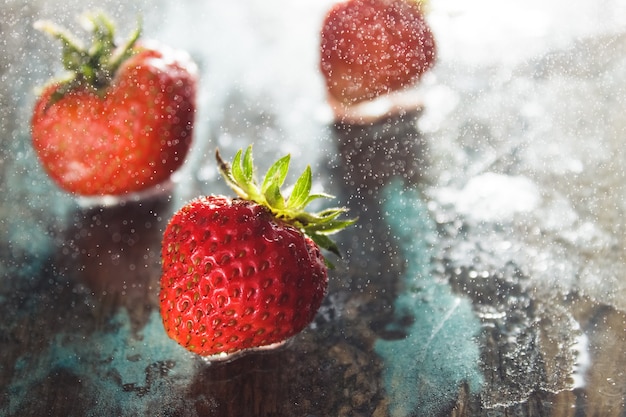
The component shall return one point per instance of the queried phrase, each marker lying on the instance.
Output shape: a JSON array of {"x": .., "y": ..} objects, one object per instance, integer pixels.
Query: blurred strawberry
[
  {"x": 374, "y": 47},
  {"x": 123, "y": 120}
]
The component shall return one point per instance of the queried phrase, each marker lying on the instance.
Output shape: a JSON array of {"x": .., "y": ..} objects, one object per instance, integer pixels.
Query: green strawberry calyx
[
  {"x": 318, "y": 225},
  {"x": 93, "y": 65}
]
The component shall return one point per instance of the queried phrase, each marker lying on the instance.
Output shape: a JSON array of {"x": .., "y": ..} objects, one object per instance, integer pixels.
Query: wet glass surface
[{"x": 484, "y": 278}]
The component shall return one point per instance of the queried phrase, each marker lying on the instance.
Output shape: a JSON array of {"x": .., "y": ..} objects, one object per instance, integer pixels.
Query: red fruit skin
[
  {"x": 373, "y": 47},
  {"x": 131, "y": 138},
  {"x": 235, "y": 277}
]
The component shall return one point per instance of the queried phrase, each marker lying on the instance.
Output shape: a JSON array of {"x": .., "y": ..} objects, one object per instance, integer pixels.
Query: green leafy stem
[
  {"x": 95, "y": 65},
  {"x": 318, "y": 225}
]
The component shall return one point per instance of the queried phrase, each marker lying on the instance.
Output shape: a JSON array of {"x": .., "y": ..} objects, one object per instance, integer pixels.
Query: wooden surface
[{"x": 105, "y": 261}]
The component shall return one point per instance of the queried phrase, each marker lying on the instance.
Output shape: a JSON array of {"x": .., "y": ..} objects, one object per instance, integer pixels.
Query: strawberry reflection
[
  {"x": 114, "y": 253},
  {"x": 370, "y": 156}
]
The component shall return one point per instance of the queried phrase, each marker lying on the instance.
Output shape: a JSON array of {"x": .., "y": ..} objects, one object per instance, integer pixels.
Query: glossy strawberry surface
[
  {"x": 235, "y": 277},
  {"x": 128, "y": 138},
  {"x": 373, "y": 47}
]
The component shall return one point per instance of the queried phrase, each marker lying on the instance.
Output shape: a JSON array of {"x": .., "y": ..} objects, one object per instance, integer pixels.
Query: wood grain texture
[{"x": 106, "y": 260}]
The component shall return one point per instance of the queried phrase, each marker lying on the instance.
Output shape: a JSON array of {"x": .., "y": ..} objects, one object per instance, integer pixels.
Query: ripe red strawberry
[
  {"x": 373, "y": 47},
  {"x": 123, "y": 121},
  {"x": 245, "y": 273}
]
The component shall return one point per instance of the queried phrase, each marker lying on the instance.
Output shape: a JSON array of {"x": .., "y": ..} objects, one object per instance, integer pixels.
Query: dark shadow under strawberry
[
  {"x": 114, "y": 252},
  {"x": 370, "y": 156}
]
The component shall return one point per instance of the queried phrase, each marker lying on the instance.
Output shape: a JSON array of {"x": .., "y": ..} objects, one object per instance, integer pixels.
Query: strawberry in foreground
[
  {"x": 122, "y": 121},
  {"x": 374, "y": 47},
  {"x": 246, "y": 273}
]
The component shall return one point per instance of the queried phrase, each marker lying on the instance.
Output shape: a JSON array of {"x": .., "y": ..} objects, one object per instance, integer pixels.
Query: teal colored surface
[
  {"x": 135, "y": 371},
  {"x": 424, "y": 370},
  {"x": 28, "y": 201}
]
